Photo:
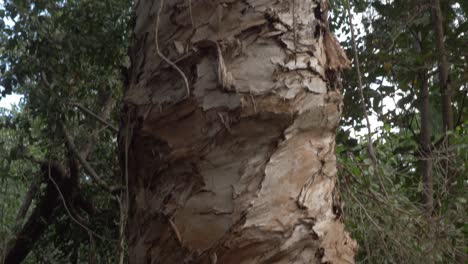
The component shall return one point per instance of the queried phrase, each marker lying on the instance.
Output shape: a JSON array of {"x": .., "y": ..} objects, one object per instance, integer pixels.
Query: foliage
[
  {"x": 56, "y": 54},
  {"x": 386, "y": 214},
  {"x": 387, "y": 37},
  {"x": 384, "y": 209}
]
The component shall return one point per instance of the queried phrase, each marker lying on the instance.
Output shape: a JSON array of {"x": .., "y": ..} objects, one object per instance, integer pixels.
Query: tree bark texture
[{"x": 242, "y": 168}]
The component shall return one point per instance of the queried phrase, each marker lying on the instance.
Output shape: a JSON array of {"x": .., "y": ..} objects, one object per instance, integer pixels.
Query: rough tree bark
[{"x": 242, "y": 168}]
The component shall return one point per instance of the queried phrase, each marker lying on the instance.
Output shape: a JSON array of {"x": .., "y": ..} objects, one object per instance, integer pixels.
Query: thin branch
[
  {"x": 98, "y": 118},
  {"x": 44, "y": 79},
  {"x": 406, "y": 25},
  {"x": 167, "y": 60},
  {"x": 85, "y": 163},
  {"x": 370, "y": 147}
]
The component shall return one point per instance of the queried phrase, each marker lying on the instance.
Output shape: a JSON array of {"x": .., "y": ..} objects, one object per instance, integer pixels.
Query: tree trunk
[
  {"x": 445, "y": 89},
  {"x": 426, "y": 146},
  {"x": 233, "y": 160},
  {"x": 425, "y": 136}
]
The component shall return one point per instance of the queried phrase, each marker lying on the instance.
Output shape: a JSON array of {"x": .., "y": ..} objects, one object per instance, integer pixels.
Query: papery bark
[{"x": 242, "y": 170}]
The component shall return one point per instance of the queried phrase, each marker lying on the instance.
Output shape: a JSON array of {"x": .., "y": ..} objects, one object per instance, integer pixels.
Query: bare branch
[
  {"x": 97, "y": 117},
  {"x": 370, "y": 147},
  {"x": 85, "y": 163}
]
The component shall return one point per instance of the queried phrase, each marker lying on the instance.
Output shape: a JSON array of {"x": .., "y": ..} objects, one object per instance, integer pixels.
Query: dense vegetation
[
  {"x": 68, "y": 58},
  {"x": 65, "y": 58},
  {"x": 385, "y": 205}
]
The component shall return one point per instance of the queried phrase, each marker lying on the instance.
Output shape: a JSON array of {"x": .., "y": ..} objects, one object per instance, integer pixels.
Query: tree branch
[
  {"x": 40, "y": 218},
  {"x": 95, "y": 116},
  {"x": 85, "y": 163},
  {"x": 370, "y": 147},
  {"x": 33, "y": 188}
]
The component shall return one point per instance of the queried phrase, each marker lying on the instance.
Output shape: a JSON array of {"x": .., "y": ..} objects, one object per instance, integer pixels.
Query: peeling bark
[{"x": 243, "y": 170}]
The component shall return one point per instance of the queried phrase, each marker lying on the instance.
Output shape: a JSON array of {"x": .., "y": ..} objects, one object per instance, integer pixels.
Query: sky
[
  {"x": 9, "y": 100},
  {"x": 12, "y": 99}
]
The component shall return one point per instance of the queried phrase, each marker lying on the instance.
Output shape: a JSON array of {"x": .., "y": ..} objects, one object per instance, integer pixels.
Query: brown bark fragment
[{"x": 337, "y": 59}]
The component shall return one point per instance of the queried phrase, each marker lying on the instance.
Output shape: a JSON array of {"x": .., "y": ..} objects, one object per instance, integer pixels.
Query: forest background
[{"x": 402, "y": 178}]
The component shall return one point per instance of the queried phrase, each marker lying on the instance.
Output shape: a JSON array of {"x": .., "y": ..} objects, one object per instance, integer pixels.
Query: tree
[
  {"x": 399, "y": 58},
  {"x": 59, "y": 172},
  {"x": 64, "y": 58},
  {"x": 228, "y": 134}
]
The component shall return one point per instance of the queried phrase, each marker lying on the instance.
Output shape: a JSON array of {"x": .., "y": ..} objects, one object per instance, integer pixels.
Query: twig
[
  {"x": 98, "y": 118},
  {"x": 364, "y": 209},
  {"x": 172, "y": 64},
  {"x": 366, "y": 242},
  {"x": 370, "y": 147},
  {"x": 84, "y": 163},
  {"x": 44, "y": 79}
]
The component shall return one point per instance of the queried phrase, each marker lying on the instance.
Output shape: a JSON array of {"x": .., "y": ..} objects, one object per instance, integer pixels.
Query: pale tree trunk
[{"x": 241, "y": 169}]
